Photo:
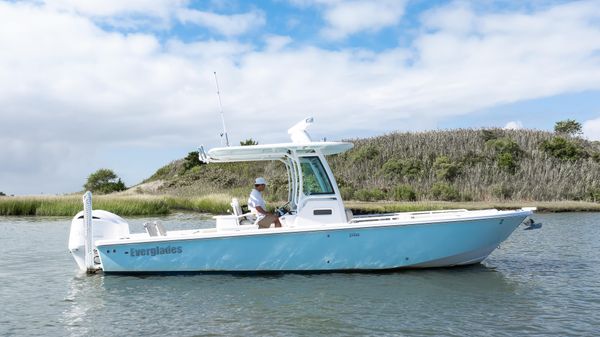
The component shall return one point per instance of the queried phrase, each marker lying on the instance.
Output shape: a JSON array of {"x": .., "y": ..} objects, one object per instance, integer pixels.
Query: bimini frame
[{"x": 287, "y": 153}]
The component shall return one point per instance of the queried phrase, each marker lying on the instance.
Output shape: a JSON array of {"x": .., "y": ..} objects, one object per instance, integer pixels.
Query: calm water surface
[{"x": 539, "y": 283}]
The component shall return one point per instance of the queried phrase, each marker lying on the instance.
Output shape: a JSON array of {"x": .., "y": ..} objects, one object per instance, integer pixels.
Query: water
[{"x": 539, "y": 283}]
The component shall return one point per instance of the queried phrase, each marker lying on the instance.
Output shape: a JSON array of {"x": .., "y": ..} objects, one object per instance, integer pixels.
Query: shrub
[
  {"x": 505, "y": 145},
  {"x": 568, "y": 127},
  {"x": 488, "y": 135},
  {"x": 412, "y": 168},
  {"x": 596, "y": 157},
  {"x": 369, "y": 194},
  {"x": 392, "y": 168},
  {"x": 471, "y": 159},
  {"x": 196, "y": 170},
  {"x": 507, "y": 162},
  {"x": 507, "y": 152},
  {"x": 403, "y": 193},
  {"x": 248, "y": 142},
  {"x": 347, "y": 192},
  {"x": 444, "y": 191},
  {"x": 402, "y": 168},
  {"x": 595, "y": 195},
  {"x": 563, "y": 149},
  {"x": 104, "y": 181},
  {"x": 466, "y": 197},
  {"x": 502, "y": 192},
  {"x": 366, "y": 152},
  {"x": 445, "y": 169}
]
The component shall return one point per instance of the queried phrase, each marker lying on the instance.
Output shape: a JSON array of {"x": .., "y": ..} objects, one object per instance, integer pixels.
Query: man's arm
[{"x": 261, "y": 210}]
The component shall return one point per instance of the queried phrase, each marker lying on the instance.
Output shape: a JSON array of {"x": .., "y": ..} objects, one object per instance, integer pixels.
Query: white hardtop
[
  {"x": 302, "y": 144},
  {"x": 274, "y": 151}
]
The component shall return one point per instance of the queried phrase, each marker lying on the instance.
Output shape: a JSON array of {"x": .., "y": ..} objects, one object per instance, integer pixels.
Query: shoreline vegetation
[
  {"x": 154, "y": 205},
  {"x": 401, "y": 171}
]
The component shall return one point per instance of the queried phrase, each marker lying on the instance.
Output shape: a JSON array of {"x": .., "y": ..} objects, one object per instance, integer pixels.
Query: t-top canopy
[{"x": 273, "y": 151}]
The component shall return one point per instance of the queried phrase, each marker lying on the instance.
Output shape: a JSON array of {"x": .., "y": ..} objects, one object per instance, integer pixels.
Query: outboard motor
[{"x": 104, "y": 225}]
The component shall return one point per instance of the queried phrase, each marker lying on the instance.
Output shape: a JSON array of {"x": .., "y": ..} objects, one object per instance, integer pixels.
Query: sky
[{"x": 129, "y": 85}]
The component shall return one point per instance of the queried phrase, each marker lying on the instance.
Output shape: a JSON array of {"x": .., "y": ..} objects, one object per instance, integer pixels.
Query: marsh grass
[
  {"x": 146, "y": 205},
  {"x": 70, "y": 205},
  {"x": 212, "y": 203}
]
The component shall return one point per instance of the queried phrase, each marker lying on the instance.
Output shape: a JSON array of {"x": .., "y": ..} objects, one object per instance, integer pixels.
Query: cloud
[
  {"x": 350, "y": 17},
  {"x": 158, "y": 14},
  {"x": 345, "y": 18},
  {"x": 75, "y": 97},
  {"x": 132, "y": 14},
  {"x": 100, "y": 8},
  {"x": 513, "y": 125},
  {"x": 229, "y": 25},
  {"x": 591, "y": 129}
]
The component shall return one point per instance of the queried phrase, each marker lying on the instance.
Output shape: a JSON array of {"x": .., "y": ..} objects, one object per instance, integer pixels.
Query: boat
[{"x": 318, "y": 233}]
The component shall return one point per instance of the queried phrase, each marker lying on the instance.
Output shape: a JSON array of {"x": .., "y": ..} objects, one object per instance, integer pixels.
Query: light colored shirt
[{"x": 255, "y": 200}]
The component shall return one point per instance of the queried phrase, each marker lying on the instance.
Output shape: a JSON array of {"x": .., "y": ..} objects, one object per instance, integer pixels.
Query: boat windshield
[{"x": 314, "y": 177}]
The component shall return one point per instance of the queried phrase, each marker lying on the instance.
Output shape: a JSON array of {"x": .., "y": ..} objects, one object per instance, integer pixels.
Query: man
[{"x": 257, "y": 205}]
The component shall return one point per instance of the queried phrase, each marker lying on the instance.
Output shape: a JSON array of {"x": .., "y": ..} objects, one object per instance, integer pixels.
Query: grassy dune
[
  {"x": 447, "y": 165},
  {"x": 145, "y": 205}
]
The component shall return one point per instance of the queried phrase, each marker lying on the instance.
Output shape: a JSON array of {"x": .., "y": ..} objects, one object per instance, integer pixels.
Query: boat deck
[{"x": 374, "y": 220}]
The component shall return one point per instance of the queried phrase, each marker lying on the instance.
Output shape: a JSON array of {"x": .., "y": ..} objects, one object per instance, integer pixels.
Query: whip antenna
[{"x": 222, "y": 115}]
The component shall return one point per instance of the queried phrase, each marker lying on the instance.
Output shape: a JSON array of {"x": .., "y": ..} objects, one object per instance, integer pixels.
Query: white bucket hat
[{"x": 260, "y": 181}]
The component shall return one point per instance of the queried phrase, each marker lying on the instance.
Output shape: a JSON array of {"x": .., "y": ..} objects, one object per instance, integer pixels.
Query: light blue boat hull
[{"x": 367, "y": 248}]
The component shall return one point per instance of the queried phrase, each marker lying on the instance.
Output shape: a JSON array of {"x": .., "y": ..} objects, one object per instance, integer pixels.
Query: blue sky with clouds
[{"x": 128, "y": 85}]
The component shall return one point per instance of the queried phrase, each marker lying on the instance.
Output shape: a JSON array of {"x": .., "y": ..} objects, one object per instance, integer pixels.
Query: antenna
[{"x": 222, "y": 115}]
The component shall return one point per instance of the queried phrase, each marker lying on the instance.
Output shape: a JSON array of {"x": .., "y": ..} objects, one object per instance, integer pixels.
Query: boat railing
[{"x": 405, "y": 215}]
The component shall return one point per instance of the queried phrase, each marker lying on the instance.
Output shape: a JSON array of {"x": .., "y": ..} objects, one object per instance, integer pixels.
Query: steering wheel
[{"x": 283, "y": 209}]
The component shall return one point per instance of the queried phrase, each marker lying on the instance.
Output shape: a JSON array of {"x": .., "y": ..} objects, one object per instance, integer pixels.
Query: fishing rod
[{"x": 222, "y": 114}]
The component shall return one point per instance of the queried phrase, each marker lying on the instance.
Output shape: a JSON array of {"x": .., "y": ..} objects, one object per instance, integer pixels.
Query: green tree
[
  {"x": 248, "y": 141},
  {"x": 563, "y": 149},
  {"x": 191, "y": 160},
  {"x": 2, "y": 194},
  {"x": 568, "y": 127},
  {"x": 104, "y": 181}
]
